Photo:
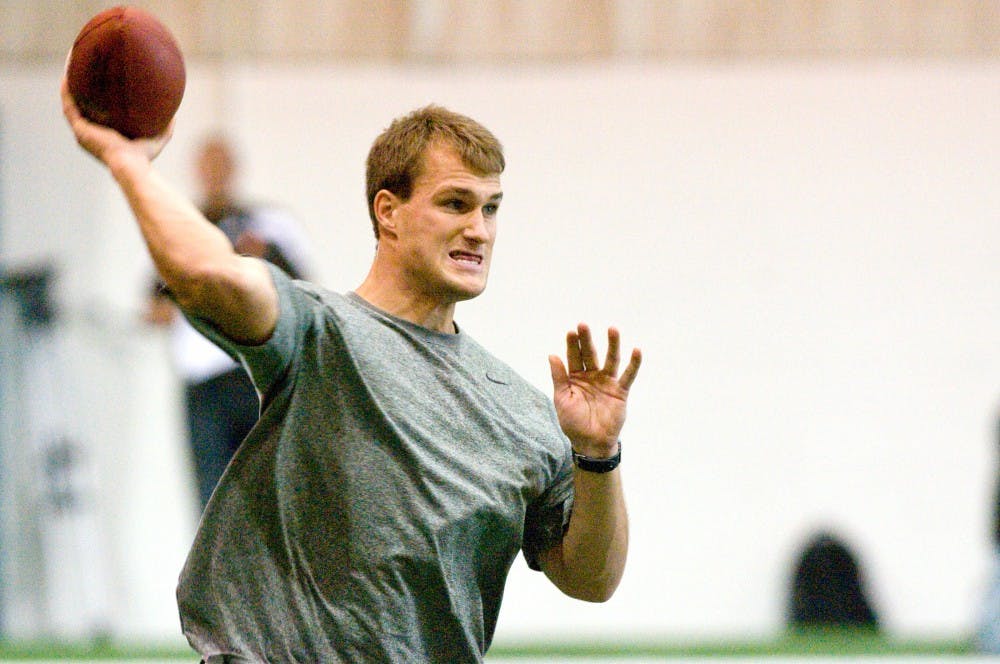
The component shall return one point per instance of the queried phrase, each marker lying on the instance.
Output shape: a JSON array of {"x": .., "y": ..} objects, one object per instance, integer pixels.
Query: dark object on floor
[{"x": 828, "y": 587}]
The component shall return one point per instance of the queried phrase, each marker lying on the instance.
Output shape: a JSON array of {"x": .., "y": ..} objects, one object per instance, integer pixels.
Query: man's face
[{"x": 445, "y": 231}]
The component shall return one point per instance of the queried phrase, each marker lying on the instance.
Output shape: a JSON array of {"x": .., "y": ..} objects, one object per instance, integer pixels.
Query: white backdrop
[{"x": 806, "y": 254}]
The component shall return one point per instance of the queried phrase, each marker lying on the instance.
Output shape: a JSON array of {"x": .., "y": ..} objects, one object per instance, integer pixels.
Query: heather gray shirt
[{"x": 373, "y": 513}]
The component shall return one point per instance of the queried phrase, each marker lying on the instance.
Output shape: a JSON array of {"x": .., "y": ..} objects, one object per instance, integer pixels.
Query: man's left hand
[{"x": 590, "y": 399}]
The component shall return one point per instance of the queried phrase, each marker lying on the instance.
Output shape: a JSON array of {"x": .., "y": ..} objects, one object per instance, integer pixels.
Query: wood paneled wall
[{"x": 531, "y": 30}]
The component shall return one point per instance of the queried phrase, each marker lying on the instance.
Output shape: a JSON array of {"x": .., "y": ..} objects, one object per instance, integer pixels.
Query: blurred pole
[{"x": 52, "y": 572}]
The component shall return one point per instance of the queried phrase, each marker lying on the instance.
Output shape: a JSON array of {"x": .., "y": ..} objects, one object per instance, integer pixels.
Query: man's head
[
  {"x": 396, "y": 159},
  {"x": 434, "y": 189}
]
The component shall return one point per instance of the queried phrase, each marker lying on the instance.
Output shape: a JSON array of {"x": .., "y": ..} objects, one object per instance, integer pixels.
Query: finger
[
  {"x": 81, "y": 126},
  {"x": 560, "y": 379},
  {"x": 587, "y": 351},
  {"x": 628, "y": 376},
  {"x": 64, "y": 83},
  {"x": 168, "y": 133},
  {"x": 154, "y": 145},
  {"x": 573, "y": 357},
  {"x": 611, "y": 359},
  {"x": 68, "y": 103}
]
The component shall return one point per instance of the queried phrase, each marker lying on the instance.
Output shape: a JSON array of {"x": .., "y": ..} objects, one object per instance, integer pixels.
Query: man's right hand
[{"x": 106, "y": 144}]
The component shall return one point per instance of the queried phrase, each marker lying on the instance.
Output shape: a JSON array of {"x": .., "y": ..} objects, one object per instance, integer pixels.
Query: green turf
[
  {"x": 36, "y": 650},
  {"x": 818, "y": 642}
]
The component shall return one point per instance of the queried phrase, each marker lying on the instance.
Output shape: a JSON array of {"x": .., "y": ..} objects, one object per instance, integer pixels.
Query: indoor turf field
[{"x": 813, "y": 646}]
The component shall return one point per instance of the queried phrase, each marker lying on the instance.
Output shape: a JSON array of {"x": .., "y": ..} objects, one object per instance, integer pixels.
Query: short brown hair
[{"x": 395, "y": 160}]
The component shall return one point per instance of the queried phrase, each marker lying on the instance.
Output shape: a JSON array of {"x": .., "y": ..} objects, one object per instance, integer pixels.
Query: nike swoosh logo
[{"x": 498, "y": 377}]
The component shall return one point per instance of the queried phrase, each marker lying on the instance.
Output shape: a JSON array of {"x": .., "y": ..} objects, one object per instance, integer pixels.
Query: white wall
[{"x": 807, "y": 256}]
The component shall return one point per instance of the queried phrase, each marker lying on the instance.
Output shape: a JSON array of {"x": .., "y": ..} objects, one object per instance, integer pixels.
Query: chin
[
  {"x": 469, "y": 294},
  {"x": 462, "y": 292}
]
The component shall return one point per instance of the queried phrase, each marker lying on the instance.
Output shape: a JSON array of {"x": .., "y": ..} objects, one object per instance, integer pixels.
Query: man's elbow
[
  {"x": 596, "y": 591},
  {"x": 583, "y": 579},
  {"x": 199, "y": 286},
  {"x": 595, "y": 597}
]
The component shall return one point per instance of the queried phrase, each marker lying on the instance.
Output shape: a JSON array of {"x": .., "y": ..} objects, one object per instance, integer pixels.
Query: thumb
[{"x": 560, "y": 379}]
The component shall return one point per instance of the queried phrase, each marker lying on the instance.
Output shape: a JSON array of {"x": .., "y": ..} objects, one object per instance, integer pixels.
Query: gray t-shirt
[{"x": 374, "y": 512}]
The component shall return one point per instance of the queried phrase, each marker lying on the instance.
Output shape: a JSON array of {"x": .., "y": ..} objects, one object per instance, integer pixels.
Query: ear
[{"x": 385, "y": 205}]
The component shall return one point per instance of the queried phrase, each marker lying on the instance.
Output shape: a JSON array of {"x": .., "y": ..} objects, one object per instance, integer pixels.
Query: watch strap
[{"x": 594, "y": 465}]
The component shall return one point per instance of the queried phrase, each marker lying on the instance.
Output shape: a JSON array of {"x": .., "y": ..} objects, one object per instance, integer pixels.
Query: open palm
[{"x": 590, "y": 399}]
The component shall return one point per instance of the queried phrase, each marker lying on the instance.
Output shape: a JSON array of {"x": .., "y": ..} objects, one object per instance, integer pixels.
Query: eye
[
  {"x": 490, "y": 209},
  {"x": 456, "y": 204}
]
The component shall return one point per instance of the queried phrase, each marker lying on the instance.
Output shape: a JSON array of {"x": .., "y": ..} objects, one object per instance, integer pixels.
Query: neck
[{"x": 392, "y": 295}]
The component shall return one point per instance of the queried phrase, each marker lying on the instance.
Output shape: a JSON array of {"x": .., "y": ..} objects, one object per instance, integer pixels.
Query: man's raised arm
[{"x": 194, "y": 258}]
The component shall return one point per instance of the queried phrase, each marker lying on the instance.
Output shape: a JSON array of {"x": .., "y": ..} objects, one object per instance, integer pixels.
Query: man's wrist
[
  {"x": 125, "y": 165},
  {"x": 598, "y": 464}
]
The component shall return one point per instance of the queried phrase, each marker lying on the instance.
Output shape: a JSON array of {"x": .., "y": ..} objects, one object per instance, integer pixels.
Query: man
[
  {"x": 373, "y": 513},
  {"x": 220, "y": 401}
]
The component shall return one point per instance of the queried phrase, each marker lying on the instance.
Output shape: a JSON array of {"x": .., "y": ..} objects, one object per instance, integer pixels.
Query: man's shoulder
[
  {"x": 309, "y": 290},
  {"x": 326, "y": 303}
]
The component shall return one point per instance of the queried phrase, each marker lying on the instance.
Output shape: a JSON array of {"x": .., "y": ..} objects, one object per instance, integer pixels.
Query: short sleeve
[
  {"x": 547, "y": 518},
  {"x": 268, "y": 362}
]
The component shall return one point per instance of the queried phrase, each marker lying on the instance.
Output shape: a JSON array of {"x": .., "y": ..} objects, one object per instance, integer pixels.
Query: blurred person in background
[{"x": 221, "y": 403}]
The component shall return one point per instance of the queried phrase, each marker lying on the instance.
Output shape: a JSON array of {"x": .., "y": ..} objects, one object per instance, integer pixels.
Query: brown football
[{"x": 126, "y": 72}]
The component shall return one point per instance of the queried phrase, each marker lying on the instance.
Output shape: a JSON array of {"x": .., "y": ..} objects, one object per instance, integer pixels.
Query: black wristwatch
[{"x": 592, "y": 465}]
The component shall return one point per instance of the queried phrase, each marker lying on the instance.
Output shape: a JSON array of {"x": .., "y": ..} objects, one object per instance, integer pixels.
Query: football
[{"x": 126, "y": 71}]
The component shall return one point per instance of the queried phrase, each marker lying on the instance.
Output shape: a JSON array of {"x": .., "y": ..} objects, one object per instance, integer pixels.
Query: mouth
[{"x": 466, "y": 257}]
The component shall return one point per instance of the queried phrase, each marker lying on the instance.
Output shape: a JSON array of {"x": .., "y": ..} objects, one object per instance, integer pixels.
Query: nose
[{"x": 477, "y": 228}]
